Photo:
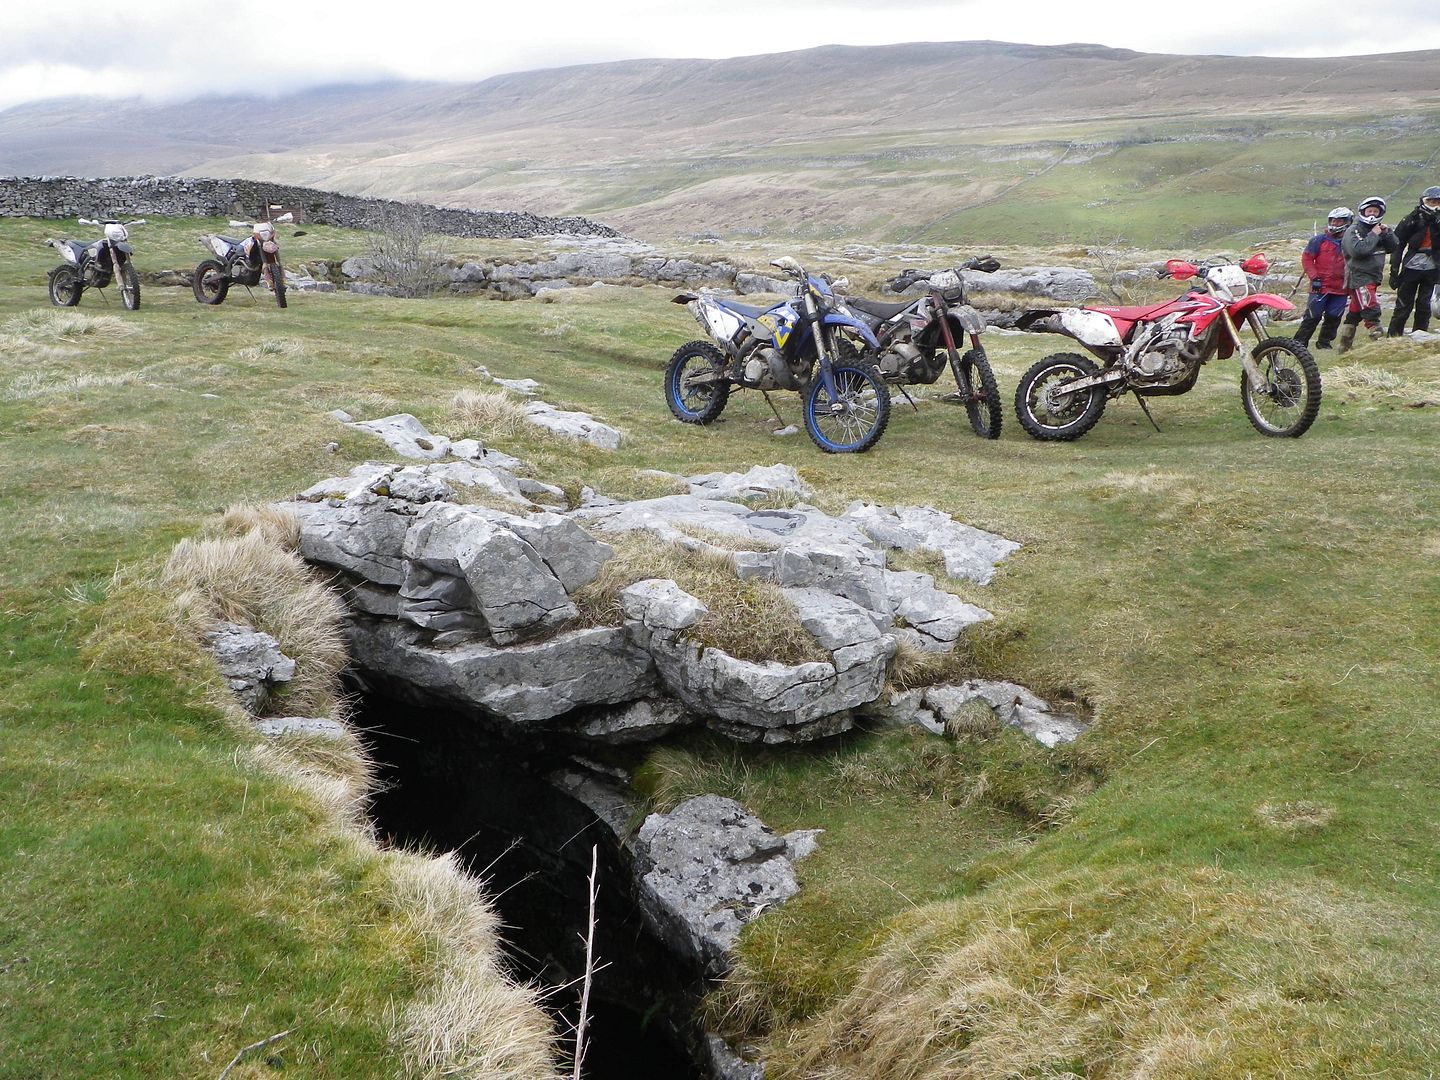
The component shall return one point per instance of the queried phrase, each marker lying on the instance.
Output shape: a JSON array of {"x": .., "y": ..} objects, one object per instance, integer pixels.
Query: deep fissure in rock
[{"x": 449, "y": 783}]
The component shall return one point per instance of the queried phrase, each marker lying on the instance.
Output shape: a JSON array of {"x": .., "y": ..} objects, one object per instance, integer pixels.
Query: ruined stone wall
[{"x": 180, "y": 196}]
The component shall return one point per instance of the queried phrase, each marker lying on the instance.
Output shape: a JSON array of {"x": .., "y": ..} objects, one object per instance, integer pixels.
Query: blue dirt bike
[{"x": 797, "y": 344}]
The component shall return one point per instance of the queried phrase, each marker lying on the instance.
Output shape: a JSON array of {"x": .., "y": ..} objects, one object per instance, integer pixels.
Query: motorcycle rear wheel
[
  {"x": 854, "y": 419},
  {"x": 65, "y": 287},
  {"x": 1051, "y": 418},
  {"x": 695, "y": 403},
  {"x": 975, "y": 383},
  {"x": 210, "y": 282},
  {"x": 277, "y": 282},
  {"x": 129, "y": 288},
  {"x": 1290, "y": 401}
]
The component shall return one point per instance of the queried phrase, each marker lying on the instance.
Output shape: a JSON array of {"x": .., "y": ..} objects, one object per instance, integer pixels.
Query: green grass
[{"x": 1233, "y": 874}]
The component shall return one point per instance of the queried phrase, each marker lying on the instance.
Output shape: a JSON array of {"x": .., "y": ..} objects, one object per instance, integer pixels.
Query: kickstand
[
  {"x": 901, "y": 388},
  {"x": 1146, "y": 410},
  {"x": 252, "y": 295},
  {"x": 766, "y": 395}
]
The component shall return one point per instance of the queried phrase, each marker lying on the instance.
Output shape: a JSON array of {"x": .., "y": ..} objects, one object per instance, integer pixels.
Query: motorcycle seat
[
  {"x": 878, "y": 308},
  {"x": 748, "y": 311},
  {"x": 1132, "y": 314},
  {"x": 230, "y": 240},
  {"x": 77, "y": 247}
]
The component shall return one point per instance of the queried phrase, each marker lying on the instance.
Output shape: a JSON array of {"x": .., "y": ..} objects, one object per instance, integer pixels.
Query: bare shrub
[{"x": 406, "y": 257}]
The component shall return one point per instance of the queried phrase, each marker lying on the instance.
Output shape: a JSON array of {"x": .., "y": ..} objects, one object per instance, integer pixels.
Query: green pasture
[{"x": 1233, "y": 874}]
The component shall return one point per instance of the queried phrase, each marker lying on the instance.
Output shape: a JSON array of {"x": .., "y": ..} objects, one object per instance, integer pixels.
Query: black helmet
[{"x": 1431, "y": 192}]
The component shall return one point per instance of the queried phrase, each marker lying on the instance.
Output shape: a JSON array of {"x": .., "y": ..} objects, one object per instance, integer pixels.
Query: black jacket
[{"x": 1411, "y": 235}]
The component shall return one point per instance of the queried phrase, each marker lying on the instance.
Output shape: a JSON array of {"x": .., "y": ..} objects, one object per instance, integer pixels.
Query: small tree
[{"x": 407, "y": 258}]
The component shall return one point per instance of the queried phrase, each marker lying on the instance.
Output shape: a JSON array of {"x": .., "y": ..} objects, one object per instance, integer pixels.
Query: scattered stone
[
  {"x": 709, "y": 867},
  {"x": 1013, "y": 705},
  {"x": 252, "y": 662},
  {"x": 573, "y": 425},
  {"x": 276, "y": 727},
  {"x": 786, "y": 431},
  {"x": 405, "y": 435}
]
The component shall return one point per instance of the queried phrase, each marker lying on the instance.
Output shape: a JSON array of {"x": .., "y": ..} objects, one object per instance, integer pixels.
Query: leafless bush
[{"x": 406, "y": 257}]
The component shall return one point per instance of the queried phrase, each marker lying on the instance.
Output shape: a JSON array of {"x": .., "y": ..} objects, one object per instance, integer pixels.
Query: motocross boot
[
  {"x": 1327, "y": 331},
  {"x": 1346, "y": 340},
  {"x": 1307, "y": 327}
]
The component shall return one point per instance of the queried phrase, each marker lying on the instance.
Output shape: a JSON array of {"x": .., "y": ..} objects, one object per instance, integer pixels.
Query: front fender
[
  {"x": 1245, "y": 305},
  {"x": 967, "y": 319},
  {"x": 834, "y": 318}
]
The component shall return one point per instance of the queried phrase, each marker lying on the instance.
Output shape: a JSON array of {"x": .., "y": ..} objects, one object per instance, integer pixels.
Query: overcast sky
[{"x": 173, "y": 49}]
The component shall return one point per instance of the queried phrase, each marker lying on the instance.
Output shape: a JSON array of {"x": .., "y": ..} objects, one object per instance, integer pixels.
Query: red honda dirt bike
[{"x": 1158, "y": 350}]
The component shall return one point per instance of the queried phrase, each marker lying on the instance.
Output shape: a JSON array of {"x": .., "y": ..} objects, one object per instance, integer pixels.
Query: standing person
[
  {"x": 1324, "y": 264},
  {"x": 1415, "y": 266},
  {"x": 1366, "y": 243}
]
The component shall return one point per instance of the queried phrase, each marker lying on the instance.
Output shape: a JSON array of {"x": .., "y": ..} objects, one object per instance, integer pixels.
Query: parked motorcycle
[
  {"x": 246, "y": 262},
  {"x": 917, "y": 339},
  {"x": 796, "y": 345},
  {"x": 1158, "y": 350},
  {"x": 96, "y": 265}
]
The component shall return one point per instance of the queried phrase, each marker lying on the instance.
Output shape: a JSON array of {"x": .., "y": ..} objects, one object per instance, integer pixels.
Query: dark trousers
[
  {"x": 1324, "y": 311},
  {"x": 1413, "y": 292}
]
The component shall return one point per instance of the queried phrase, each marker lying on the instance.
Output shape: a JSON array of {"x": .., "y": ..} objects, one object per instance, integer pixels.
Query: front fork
[
  {"x": 817, "y": 330},
  {"x": 1252, "y": 370}
]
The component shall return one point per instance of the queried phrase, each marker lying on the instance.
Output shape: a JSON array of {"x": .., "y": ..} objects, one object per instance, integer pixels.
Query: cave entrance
[{"x": 448, "y": 784}]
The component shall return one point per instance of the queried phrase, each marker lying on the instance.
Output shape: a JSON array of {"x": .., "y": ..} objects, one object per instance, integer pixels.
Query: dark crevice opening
[{"x": 452, "y": 782}]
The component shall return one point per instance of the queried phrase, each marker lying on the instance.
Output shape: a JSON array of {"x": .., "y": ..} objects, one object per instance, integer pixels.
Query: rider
[
  {"x": 1413, "y": 266},
  {"x": 1324, "y": 264},
  {"x": 1365, "y": 245}
]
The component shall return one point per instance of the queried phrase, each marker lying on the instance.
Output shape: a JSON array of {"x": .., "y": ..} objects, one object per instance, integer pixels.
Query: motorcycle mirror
[
  {"x": 1180, "y": 270},
  {"x": 1256, "y": 264}
]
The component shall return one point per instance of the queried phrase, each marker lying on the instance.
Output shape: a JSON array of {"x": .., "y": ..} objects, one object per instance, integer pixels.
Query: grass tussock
[
  {"x": 66, "y": 325},
  {"x": 287, "y": 348},
  {"x": 472, "y": 1022},
  {"x": 485, "y": 414},
  {"x": 1199, "y": 976},
  {"x": 35, "y": 385},
  {"x": 750, "y": 620},
  {"x": 247, "y": 579}
]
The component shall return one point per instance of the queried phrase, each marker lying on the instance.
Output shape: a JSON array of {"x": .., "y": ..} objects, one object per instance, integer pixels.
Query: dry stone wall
[{"x": 181, "y": 196}]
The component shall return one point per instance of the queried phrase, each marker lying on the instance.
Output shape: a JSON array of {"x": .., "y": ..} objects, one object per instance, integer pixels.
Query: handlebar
[{"x": 111, "y": 221}]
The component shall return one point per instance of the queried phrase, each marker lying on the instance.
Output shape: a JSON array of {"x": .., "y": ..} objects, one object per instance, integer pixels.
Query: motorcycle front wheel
[
  {"x": 210, "y": 282},
  {"x": 979, "y": 393},
  {"x": 1049, "y": 414},
  {"x": 853, "y": 420},
  {"x": 692, "y": 400},
  {"x": 65, "y": 287},
  {"x": 1286, "y": 406},
  {"x": 129, "y": 288},
  {"x": 277, "y": 282}
]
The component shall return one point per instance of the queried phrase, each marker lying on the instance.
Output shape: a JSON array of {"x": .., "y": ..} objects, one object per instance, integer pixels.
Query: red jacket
[{"x": 1323, "y": 259}]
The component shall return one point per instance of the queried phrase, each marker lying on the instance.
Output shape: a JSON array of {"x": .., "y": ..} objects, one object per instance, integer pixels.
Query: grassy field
[{"x": 1232, "y": 875}]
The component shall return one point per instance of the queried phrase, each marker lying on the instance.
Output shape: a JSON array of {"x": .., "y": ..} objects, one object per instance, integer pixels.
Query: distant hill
[{"x": 944, "y": 142}]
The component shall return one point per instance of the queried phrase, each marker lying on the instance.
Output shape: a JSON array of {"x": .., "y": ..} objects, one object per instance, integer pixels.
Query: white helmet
[
  {"x": 1379, "y": 212},
  {"x": 1341, "y": 213}
]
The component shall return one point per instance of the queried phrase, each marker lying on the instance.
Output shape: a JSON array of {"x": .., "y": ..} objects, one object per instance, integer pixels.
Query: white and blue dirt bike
[
  {"x": 96, "y": 264},
  {"x": 797, "y": 344},
  {"x": 921, "y": 337}
]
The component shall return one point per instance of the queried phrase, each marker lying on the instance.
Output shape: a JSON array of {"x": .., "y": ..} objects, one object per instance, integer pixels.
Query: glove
[
  {"x": 1394, "y": 281},
  {"x": 1316, "y": 284}
]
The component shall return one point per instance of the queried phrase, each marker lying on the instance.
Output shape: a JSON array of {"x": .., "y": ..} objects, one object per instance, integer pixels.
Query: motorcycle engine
[
  {"x": 1163, "y": 354},
  {"x": 765, "y": 369},
  {"x": 899, "y": 358}
]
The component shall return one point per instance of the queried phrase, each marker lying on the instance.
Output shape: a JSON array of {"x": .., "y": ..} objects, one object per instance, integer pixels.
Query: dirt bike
[
  {"x": 918, "y": 337},
  {"x": 792, "y": 345},
  {"x": 246, "y": 262},
  {"x": 96, "y": 265},
  {"x": 1158, "y": 350}
]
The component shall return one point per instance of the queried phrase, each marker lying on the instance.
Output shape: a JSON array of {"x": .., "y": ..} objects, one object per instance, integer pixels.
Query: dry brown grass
[
  {"x": 247, "y": 579},
  {"x": 471, "y": 1021},
  {"x": 63, "y": 324},
  {"x": 1096, "y": 974},
  {"x": 288, "y": 348},
  {"x": 750, "y": 620},
  {"x": 485, "y": 414}
]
